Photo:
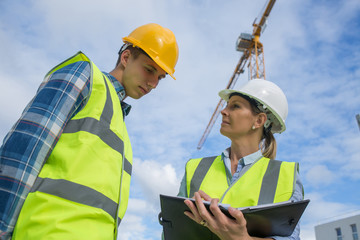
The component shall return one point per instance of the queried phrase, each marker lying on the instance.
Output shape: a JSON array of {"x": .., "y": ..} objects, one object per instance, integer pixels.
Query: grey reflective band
[
  {"x": 101, "y": 128},
  {"x": 200, "y": 173},
  {"x": 294, "y": 186},
  {"x": 80, "y": 193},
  {"x": 127, "y": 166},
  {"x": 107, "y": 113},
  {"x": 269, "y": 183},
  {"x": 97, "y": 128},
  {"x": 76, "y": 193}
]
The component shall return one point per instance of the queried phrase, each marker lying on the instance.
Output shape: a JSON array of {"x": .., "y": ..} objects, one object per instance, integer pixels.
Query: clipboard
[{"x": 277, "y": 219}]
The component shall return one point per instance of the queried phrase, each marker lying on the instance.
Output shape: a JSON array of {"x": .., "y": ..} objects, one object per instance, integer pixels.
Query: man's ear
[
  {"x": 260, "y": 120},
  {"x": 125, "y": 56}
]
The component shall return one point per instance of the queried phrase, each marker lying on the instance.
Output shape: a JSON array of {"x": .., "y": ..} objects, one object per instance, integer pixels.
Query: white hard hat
[{"x": 270, "y": 99}]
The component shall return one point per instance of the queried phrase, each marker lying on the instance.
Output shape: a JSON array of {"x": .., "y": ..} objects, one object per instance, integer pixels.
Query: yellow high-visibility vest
[
  {"x": 266, "y": 181},
  {"x": 82, "y": 190}
]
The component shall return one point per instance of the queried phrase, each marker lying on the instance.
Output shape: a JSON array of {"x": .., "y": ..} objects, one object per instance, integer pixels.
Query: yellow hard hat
[{"x": 159, "y": 43}]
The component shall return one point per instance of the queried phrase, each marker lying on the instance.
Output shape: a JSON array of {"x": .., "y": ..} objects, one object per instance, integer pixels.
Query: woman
[{"x": 245, "y": 174}]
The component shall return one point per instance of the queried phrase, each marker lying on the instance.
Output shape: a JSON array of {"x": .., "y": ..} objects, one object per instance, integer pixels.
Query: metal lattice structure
[{"x": 252, "y": 52}]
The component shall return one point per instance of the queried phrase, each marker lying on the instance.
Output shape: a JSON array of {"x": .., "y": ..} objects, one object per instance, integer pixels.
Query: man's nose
[{"x": 153, "y": 82}]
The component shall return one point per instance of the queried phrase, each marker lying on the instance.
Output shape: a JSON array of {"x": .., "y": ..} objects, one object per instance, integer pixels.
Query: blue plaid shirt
[{"x": 30, "y": 141}]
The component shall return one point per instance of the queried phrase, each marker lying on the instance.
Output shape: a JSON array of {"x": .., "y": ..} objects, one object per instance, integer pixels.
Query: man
[{"x": 65, "y": 166}]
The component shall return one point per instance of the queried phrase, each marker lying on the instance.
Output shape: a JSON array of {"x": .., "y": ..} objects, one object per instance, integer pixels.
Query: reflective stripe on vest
[
  {"x": 266, "y": 181},
  {"x": 77, "y": 192},
  {"x": 213, "y": 169},
  {"x": 87, "y": 176},
  {"x": 199, "y": 174}
]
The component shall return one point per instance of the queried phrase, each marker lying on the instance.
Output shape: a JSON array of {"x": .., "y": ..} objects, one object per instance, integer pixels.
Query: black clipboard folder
[{"x": 277, "y": 219}]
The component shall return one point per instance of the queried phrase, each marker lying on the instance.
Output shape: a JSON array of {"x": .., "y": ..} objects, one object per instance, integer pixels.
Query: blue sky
[{"x": 311, "y": 51}]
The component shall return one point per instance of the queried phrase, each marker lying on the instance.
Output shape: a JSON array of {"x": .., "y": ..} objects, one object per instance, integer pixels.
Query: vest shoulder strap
[
  {"x": 269, "y": 182},
  {"x": 79, "y": 56},
  {"x": 200, "y": 173}
]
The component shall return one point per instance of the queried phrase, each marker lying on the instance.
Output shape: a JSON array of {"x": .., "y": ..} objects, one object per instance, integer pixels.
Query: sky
[{"x": 311, "y": 50}]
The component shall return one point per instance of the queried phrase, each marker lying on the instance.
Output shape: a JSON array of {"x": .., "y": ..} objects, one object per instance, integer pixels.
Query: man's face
[{"x": 140, "y": 76}]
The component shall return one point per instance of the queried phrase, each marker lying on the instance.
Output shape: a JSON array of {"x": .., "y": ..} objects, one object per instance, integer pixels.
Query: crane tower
[{"x": 252, "y": 52}]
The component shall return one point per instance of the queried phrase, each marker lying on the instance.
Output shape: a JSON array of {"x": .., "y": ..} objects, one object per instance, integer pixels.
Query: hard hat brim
[{"x": 155, "y": 58}]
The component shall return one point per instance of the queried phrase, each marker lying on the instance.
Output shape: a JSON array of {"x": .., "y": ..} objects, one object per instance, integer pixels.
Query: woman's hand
[{"x": 224, "y": 227}]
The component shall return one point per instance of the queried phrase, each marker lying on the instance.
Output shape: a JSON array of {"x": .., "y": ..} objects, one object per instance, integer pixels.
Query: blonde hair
[{"x": 268, "y": 144}]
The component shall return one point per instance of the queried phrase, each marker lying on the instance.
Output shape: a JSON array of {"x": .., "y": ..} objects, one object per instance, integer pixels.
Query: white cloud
[
  {"x": 140, "y": 221},
  {"x": 155, "y": 178},
  {"x": 319, "y": 176},
  {"x": 133, "y": 228},
  {"x": 310, "y": 51},
  {"x": 140, "y": 206},
  {"x": 321, "y": 209}
]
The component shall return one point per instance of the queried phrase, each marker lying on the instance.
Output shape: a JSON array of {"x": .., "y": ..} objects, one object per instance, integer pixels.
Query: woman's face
[{"x": 237, "y": 117}]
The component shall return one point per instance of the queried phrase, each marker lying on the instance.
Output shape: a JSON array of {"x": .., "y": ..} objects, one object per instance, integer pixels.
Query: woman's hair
[
  {"x": 268, "y": 141},
  {"x": 268, "y": 144}
]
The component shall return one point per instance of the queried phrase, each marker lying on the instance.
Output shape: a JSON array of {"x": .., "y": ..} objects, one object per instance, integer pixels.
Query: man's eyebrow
[
  {"x": 155, "y": 70},
  {"x": 152, "y": 67}
]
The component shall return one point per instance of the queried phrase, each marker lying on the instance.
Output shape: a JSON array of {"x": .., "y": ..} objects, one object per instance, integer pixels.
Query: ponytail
[{"x": 268, "y": 144}]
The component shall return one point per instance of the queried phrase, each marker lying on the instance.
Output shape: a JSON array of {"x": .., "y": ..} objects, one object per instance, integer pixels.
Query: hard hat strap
[
  {"x": 267, "y": 123},
  {"x": 123, "y": 48},
  {"x": 127, "y": 45}
]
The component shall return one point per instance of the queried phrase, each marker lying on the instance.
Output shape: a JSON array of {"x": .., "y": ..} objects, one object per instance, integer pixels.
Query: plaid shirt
[{"x": 30, "y": 141}]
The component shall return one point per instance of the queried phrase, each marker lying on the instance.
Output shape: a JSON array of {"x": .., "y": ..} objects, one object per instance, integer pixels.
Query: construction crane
[{"x": 252, "y": 50}]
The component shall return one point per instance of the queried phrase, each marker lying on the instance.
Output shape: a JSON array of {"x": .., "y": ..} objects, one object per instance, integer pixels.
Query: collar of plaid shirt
[{"x": 120, "y": 92}]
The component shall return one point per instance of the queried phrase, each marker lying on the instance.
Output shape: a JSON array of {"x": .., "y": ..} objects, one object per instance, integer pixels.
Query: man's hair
[{"x": 135, "y": 52}]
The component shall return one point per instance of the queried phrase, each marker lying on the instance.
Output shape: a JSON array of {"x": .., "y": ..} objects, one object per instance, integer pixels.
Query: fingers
[
  {"x": 203, "y": 212},
  {"x": 238, "y": 215},
  {"x": 214, "y": 208},
  {"x": 211, "y": 220},
  {"x": 215, "y": 219},
  {"x": 193, "y": 214},
  {"x": 204, "y": 195},
  {"x": 199, "y": 212}
]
